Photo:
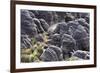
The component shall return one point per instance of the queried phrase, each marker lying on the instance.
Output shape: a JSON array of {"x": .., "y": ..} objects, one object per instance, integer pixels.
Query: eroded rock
[
  {"x": 52, "y": 53},
  {"x": 68, "y": 44},
  {"x": 82, "y": 54}
]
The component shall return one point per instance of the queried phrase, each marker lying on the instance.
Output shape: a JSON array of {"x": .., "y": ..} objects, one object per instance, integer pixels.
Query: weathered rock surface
[
  {"x": 44, "y": 24},
  {"x": 39, "y": 38},
  {"x": 77, "y": 30},
  {"x": 25, "y": 41},
  {"x": 82, "y": 38},
  {"x": 68, "y": 44},
  {"x": 55, "y": 40},
  {"x": 81, "y": 54},
  {"x": 52, "y": 53},
  {"x": 61, "y": 34},
  {"x": 28, "y": 29},
  {"x": 61, "y": 28},
  {"x": 39, "y": 26}
]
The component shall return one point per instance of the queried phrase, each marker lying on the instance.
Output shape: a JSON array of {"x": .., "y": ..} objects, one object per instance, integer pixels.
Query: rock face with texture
[
  {"x": 44, "y": 24},
  {"x": 77, "y": 30},
  {"x": 55, "y": 40},
  {"x": 83, "y": 22},
  {"x": 28, "y": 29},
  {"x": 39, "y": 37},
  {"x": 59, "y": 35},
  {"x": 68, "y": 44},
  {"x": 38, "y": 24},
  {"x": 82, "y": 54},
  {"x": 25, "y": 15},
  {"x": 25, "y": 41},
  {"x": 61, "y": 28},
  {"x": 31, "y": 26},
  {"x": 52, "y": 53},
  {"x": 82, "y": 38}
]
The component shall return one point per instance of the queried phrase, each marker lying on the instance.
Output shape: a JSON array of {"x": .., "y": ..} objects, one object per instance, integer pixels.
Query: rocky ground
[{"x": 54, "y": 36}]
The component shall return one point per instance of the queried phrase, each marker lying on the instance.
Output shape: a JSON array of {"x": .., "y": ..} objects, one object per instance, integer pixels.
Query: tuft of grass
[
  {"x": 73, "y": 58},
  {"x": 26, "y": 51},
  {"x": 32, "y": 54},
  {"x": 33, "y": 41},
  {"x": 26, "y": 58}
]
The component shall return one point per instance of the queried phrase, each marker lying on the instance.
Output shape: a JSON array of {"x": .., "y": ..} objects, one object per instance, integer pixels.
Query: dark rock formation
[
  {"x": 28, "y": 29},
  {"x": 77, "y": 30},
  {"x": 61, "y": 34},
  {"x": 55, "y": 39},
  {"x": 82, "y": 54},
  {"x": 25, "y": 42},
  {"x": 68, "y": 44},
  {"x": 49, "y": 55},
  {"x": 79, "y": 33},
  {"x": 32, "y": 14},
  {"x": 61, "y": 28},
  {"x": 39, "y": 26},
  {"x": 35, "y": 12},
  {"x": 46, "y": 15},
  {"x": 25, "y": 15},
  {"x": 44, "y": 24},
  {"x": 81, "y": 37},
  {"x": 83, "y": 22},
  {"x": 52, "y": 53},
  {"x": 60, "y": 16},
  {"x": 39, "y": 37},
  {"x": 69, "y": 17}
]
